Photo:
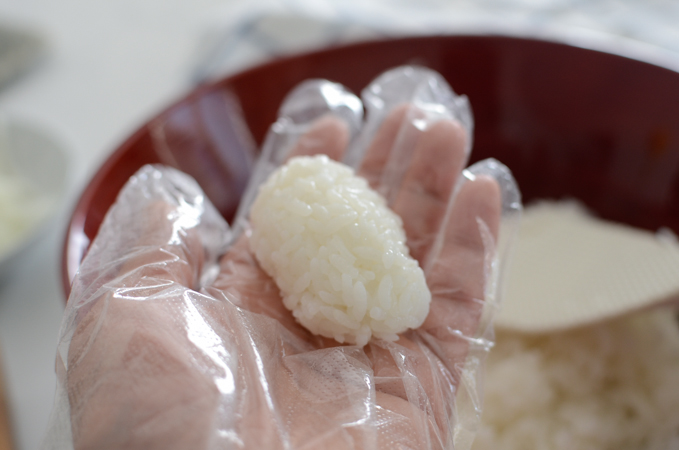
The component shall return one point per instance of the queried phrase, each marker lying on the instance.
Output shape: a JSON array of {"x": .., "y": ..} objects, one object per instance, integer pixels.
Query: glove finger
[
  {"x": 457, "y": 276},
  {"x": 240, "y": 278},
  {"x": 416, "y": 140},
  {"x": 472, "y": 245},
  {"x": 311, "y": 110},
  {"x": 422, "y": 198},
  {"x": 374, "y": 158},
  {"x": 463, "y": 273},
  {"x": 127, "y": 366},
  {"x": 327, "y": 135},
  {"x": 161, "y": 226}
]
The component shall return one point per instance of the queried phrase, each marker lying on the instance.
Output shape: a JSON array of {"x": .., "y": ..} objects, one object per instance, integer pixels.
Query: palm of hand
[
  {"x": 289, "y": 388},
  {"x": 421, "y": 203}
]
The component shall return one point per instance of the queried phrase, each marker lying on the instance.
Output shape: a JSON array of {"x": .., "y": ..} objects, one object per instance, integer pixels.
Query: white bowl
[{"x": 31, "y": 157}]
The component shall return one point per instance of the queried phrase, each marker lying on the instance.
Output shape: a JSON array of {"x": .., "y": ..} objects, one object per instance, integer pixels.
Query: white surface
[
  {"x": 247, "y": 32},
  {"x": 113, "y": 63},
  {"x": 602, "y": 270},
  {"x": 33, "y": 173}
]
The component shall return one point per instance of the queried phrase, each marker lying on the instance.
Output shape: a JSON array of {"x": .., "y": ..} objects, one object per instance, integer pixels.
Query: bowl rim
[{"x": 598, "y": 42}]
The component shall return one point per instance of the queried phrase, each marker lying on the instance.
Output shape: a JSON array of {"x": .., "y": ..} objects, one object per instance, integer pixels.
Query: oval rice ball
[{"x": 337, "y": 253}]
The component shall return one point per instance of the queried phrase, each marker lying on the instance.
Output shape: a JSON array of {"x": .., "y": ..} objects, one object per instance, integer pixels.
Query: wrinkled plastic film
[
  {"x": 498, "y": 259},
  {"x": 428, "y": 100},
  {"x": 152, "y": 355},
  {"x": 133, "y": 327},
  {"x": 469, "y": 398},
  {"x": 207, "y": 138},
  {"x": 311, "y": 100}
]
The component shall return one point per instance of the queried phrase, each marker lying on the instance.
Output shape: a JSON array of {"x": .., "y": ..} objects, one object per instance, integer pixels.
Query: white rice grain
[
  {"x": 337, "y": 253},
  {"x": 612, "y": 385}
]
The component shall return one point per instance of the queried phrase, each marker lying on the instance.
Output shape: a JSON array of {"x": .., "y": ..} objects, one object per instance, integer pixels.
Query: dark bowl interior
[{"x": 568, "y": 121}]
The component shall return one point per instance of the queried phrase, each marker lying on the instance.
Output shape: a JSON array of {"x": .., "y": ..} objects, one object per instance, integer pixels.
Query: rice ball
[{"x": 337, "y": 253}]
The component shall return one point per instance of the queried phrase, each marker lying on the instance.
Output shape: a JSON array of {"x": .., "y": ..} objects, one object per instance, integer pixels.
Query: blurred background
[{"x": 85, "y": 73}]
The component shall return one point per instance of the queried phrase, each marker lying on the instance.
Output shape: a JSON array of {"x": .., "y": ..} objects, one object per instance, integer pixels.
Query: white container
[{"x": 33, "y": 184}]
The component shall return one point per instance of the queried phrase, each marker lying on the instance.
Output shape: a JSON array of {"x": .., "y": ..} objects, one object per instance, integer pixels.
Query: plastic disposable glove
[{"x": 174, "y": 338}]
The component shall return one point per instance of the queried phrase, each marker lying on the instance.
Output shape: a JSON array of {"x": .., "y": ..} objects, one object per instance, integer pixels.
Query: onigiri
[{"x": 337, "y": 253}]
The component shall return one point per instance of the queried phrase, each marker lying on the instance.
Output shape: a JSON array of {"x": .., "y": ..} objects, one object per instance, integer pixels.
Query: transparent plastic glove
[{"x": 162, "y": 348}]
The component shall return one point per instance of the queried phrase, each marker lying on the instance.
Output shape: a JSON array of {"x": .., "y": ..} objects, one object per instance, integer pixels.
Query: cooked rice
[
  {"x": 337, "y": 253},
  {"x": 609, "y": 386}
]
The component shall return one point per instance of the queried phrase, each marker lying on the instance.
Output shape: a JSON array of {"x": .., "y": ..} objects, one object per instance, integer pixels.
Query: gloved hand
[{"x": 174, "y": 337}]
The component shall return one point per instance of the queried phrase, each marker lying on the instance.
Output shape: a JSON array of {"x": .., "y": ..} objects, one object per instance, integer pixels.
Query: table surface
[{"x": 110, "y": 65}]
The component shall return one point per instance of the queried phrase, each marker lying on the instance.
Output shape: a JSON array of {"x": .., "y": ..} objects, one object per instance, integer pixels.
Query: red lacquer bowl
[{"x": 568, "y": 121}]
